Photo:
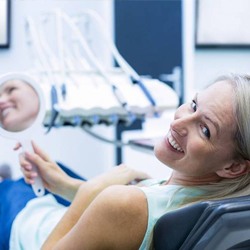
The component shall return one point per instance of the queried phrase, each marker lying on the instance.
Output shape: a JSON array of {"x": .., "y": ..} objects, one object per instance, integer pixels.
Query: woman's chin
[
  {"x": 10, "y": 127},
  {"x": 166, "y": 154},
  {"x": 160, "y": 152}
]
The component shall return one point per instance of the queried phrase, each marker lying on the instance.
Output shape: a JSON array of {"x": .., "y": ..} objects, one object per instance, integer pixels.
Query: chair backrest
[{"x": 221, "y": 224}]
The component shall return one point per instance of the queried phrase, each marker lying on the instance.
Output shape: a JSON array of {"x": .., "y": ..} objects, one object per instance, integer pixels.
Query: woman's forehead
[
  {"x": 221, "y": 90},
  {"x": 9, "y": 83},
  {"x": 13, "y": 83},
  {"x": 217, "y": 101}
]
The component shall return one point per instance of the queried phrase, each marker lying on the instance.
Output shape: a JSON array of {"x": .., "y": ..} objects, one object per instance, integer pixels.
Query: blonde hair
[{"x": 241, "y": 185}]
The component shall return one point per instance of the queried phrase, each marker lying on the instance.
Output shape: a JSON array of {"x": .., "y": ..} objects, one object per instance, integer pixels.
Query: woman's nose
[
  {"x": 3, "y": 99},
  {"x": 181, "y": 125}
]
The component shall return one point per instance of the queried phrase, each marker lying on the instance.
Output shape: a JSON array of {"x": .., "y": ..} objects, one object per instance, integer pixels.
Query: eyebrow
[
  {"x": 7, "y": 87},
  {"x": 215, "y": 124}
]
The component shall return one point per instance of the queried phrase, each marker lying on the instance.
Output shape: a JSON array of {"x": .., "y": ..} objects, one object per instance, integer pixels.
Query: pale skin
[
  {"x": 105, "y": 213},
  {"x": 19, "y": 105}
]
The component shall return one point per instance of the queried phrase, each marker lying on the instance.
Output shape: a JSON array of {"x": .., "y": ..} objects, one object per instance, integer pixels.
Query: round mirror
[
  {"x": 21, "y": 105},
  {"x": 22, "y": 111}
]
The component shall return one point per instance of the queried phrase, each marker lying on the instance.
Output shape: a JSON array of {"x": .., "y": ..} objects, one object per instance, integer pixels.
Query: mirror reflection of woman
[{"x": 19, "y": 105}]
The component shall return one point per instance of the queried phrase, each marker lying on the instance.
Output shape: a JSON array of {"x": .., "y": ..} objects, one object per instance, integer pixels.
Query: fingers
[
  {"x": 136, "y": 174},
  {"x": 28, "y": 160},
  {"x": 130, "y": 175},
  {"x": 17, "y": 146},
  {"x": 142, "y": 175},
  {"x": 34, "y": 159},
  {"x": 26, "y": 168},
  {"x": 29, "y": 176},
  {"x": 37, "y": 150},
  {"x": 40, "y": 152}
]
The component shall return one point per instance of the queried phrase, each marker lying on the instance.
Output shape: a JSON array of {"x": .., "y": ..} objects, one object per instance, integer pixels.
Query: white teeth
[
  {"x": 5, "y": 111},
  {"x": 174, "y": 144}
]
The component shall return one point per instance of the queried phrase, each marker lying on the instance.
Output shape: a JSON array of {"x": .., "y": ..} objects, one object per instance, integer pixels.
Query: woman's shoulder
[
  {"x": 122, "y": 210},
  {"x": 123, "y": 196},
  {"x": 127, "y": 201}
]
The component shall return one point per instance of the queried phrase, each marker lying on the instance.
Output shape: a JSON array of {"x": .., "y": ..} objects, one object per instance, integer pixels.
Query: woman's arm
[
  {"x": 130, "y": 203},
  {"x": 58, "y": 182},
  {"x": 116, "y": 219}
]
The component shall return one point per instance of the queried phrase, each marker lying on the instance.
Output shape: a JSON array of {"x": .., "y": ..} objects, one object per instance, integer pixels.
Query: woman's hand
[
  {"x": 119, "y": 175},
  {"x": 54, "y": 178}
]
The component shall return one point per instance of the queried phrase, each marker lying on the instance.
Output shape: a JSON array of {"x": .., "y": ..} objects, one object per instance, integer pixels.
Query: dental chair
[{"x": 210, "y": 225}]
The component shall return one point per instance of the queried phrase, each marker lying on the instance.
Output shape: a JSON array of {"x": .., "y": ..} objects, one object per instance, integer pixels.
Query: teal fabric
[
  {"x": 35, "y": 222},
  {"x": 46, "y": 212},
  {"x": 162, "y": 199}
]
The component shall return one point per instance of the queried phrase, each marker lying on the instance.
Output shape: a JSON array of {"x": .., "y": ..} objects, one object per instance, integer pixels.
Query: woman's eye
[
  {"x": 206, "y": 132},
  {"x": 193, "y": 106},
  {"x": 10, "y": 90}
]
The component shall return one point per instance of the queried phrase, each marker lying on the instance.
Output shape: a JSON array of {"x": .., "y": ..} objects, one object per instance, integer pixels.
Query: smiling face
[
  {"x": 19, "y": 105},
  {"x": 200, "y": 140}
]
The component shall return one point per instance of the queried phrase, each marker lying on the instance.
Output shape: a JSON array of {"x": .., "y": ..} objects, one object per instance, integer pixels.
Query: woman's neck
[{"x": 180, "y": 179}]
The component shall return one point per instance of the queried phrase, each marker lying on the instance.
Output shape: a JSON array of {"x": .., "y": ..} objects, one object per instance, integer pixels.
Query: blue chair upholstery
[{"x": 216, "y": 225}]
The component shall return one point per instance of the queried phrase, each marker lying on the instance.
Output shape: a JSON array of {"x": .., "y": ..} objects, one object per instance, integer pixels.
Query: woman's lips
[{"x": 172, "y": 143}]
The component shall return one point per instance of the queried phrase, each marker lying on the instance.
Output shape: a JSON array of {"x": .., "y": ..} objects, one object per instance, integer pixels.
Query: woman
[
  {"x": 19, "y": 105},
  {"x": 207, "y": 146}
]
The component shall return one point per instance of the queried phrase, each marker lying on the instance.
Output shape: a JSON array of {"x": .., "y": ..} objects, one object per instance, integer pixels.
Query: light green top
[
  {"x": 35, "y": 222},
  {"x": 162, "y": 199}
]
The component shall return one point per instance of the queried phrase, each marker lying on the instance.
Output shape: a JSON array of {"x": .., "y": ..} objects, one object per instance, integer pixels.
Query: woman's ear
[{"x": 236, "y": 169}]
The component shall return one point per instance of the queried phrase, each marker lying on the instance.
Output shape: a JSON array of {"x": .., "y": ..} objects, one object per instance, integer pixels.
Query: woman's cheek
[{"x": 160, "y": 150}]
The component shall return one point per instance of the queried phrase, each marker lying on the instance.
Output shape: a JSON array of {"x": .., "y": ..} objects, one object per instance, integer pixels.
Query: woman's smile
[
  {"x": 5, "y": 111},
  {"x": 173, "y": 143}
]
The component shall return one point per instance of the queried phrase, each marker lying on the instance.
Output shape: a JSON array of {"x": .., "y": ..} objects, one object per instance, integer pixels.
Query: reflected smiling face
[
  {"x": 200, "y": 139},
  {"x": 19, "y": 105}
]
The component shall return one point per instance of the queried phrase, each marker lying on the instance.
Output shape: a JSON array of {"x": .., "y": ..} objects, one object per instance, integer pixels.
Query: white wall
[
  {"x": 210, "y": 63},
  {"x": 201, "y": 66},
  {"x": 71, "y": 146}
]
